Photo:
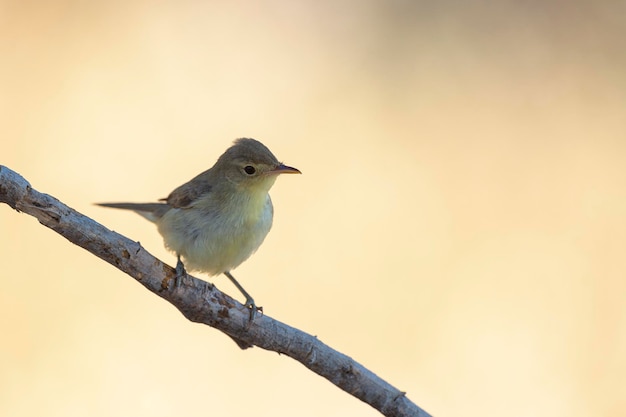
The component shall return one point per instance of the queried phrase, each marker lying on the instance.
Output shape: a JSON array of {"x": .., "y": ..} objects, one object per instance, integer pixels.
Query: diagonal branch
[{"x": 201, "y": 302}]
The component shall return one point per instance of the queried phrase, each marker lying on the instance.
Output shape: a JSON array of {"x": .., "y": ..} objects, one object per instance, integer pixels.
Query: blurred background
[{"x": 459, "y": 227}]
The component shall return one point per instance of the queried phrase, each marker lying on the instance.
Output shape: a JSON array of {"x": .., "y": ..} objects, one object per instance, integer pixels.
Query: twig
[{"x": 201, "y": 302}]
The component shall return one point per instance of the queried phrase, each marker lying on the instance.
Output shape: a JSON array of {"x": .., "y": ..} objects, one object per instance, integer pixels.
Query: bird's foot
[
  {"x": 180, "y": 273},
  {"x": 250, "y": 305}
]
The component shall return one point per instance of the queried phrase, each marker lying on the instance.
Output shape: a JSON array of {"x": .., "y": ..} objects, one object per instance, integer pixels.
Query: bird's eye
[{"x": 249, "y": 169}]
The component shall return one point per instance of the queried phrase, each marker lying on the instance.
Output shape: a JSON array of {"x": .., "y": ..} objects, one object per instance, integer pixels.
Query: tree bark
[{"x": 201, "y": 302}]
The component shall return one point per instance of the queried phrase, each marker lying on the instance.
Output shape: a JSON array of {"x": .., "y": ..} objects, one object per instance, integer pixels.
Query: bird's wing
[{"x": 185, "y": 195}]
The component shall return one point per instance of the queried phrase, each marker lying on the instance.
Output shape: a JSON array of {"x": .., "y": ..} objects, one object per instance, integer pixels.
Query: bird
[{"x": 219, "y": 218}]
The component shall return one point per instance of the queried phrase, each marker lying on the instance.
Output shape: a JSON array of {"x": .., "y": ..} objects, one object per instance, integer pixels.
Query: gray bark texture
[{"x": 201, "y": 302}]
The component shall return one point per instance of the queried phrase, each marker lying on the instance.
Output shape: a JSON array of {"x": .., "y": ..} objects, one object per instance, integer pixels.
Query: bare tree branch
[{"x": 201, "y": 302}]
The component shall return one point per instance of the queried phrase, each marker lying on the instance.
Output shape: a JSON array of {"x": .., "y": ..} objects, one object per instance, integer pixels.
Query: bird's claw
[
  {"x": 250, "y": 305},
  {"x": 180, "y": 273}
]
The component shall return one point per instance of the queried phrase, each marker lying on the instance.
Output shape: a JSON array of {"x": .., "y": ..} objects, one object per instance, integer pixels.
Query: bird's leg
[
  {"x": 180, "y": 272},
  {"x": 249, "y": 300}
]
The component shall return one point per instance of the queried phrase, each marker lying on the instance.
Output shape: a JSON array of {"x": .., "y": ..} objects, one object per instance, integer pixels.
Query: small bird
[{"x": 218, "y": 219}]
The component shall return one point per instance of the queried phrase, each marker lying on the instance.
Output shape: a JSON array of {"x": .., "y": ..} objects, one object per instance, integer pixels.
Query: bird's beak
[{"x": 284, "y": 169}]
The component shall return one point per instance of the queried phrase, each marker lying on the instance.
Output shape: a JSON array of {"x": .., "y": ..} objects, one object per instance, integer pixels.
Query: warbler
[{"x": 217, "y": 220}]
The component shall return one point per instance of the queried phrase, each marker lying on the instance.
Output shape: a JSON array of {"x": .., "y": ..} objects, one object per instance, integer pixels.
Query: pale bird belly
[{"x": 214, "y": 245}]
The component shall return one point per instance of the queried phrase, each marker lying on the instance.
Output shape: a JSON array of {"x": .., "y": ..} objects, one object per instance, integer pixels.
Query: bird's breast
[{"x": 217, "y": 239}]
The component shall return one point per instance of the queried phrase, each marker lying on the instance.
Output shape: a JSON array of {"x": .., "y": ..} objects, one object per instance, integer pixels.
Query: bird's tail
[{"x": 150, "y": 211}]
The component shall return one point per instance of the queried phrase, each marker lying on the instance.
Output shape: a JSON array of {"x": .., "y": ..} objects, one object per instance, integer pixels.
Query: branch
[{"x": 201, "y": 302}]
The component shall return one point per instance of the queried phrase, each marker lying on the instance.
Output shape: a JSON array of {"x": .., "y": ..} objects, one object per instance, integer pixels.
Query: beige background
[{"x": 459, "y": 228}]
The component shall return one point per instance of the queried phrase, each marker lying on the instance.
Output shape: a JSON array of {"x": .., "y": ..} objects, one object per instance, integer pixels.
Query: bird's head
[{"x": 250, "y": 165}]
